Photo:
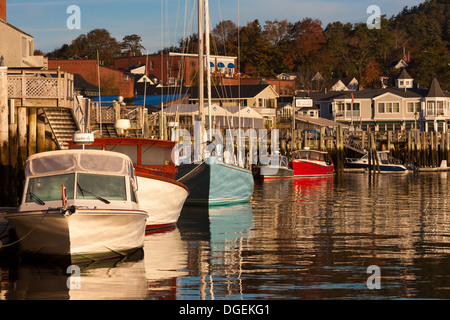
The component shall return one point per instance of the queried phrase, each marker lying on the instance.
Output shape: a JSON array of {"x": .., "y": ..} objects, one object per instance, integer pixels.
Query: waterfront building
[
  {"x": 402, "y": 107},
  {"x": 112, "y": 81}
]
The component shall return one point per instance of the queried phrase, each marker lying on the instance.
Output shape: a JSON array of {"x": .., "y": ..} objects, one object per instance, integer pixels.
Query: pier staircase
[
  {"x": 62, "y": 124},
  {"x": 107, "y": 130}
]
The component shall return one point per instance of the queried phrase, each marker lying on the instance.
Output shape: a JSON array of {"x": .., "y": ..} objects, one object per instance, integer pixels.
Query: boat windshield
[
  {"x": 49, "y": 188},
  {"x": 314, "y": 156},
  {"x": 92, "y": 186},
  {"x": 89, "y": 186}
]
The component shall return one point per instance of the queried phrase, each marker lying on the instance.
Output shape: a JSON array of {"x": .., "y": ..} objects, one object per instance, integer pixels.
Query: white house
[{"x": 400, "y": 108}]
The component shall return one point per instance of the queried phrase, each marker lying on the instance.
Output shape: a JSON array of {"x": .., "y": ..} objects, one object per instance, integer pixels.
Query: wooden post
[
  {"x": 322, "y": 140},
  {"x": 4, "y": 136},
  {"x": 32, "y": 130},
  {"x": 363, "y": 140},
  {"x": 13, "y": 185},
  {"x": 418, "y": 148},
  {"x": 376, "y": 164},
  {"x": 340, "y": 150},
  {"x": 370, "y": 150},
  {"x": 40, "y": 134},
  {"x": 423, "y": 149},
  {"x": 447, "y": 147},
  {"x": 409, "y": 154},
  {"x": 432, "y": 150},
  {"x": 22, "y": 131}
]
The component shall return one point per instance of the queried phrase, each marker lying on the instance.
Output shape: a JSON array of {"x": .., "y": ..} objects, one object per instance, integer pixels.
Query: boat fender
[{"x": 69, "y": 211}]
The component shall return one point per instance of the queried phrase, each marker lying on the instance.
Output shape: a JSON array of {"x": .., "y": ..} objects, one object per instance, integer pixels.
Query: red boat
[{"x": 311, "y": 163}]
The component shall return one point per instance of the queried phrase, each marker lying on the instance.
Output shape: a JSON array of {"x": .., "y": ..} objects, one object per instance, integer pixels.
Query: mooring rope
[{"x": 17, "y": 241}]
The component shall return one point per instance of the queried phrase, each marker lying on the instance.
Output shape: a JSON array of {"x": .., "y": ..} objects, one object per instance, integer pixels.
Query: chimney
[{"x": 3, "y": 10}]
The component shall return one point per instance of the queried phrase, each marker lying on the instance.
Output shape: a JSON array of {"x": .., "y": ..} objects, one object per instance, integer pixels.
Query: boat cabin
[
  {"x": 78, "y": 176},
  {"x": 311, "y": 155},
  {"x": 149, "y": 156}
]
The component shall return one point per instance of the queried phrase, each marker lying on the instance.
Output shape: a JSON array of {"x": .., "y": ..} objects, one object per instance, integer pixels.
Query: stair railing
[{"x": 78, "y": 113}]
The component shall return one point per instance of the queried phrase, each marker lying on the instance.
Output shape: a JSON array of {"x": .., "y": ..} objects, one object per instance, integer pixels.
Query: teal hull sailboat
[{"x": 213, "y": 182}]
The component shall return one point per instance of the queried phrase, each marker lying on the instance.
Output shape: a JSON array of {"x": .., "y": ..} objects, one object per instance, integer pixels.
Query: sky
[{"x": 161, "y": 23}]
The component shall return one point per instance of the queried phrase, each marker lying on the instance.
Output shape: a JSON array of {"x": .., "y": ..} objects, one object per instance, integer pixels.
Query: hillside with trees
[{"x": 419, "y": 34}]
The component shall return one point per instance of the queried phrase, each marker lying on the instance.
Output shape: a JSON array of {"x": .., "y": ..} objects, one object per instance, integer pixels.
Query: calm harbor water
[{"x": 305, "y": 238}]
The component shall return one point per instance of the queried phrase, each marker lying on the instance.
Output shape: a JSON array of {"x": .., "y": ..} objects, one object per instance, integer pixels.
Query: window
[
  {"x": 430, "y": 108},
  {"x": 152, "y": 65},
  {"x": 388, "y": 107},
  {"x": 440, "y": 107},
  {"x": 396, "y": 107},
  {"x": 91, "y": 186},
  {"x": 49, "y": 188},
  {"x": 24, "y": 47},
  {"x": 413, "y": 107}
]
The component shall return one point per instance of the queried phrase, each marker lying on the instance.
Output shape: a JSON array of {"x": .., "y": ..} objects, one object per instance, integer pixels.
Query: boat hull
[
  {"x": 162, "y": 199},
  {"x": 267, "y": 172},
  {"x": 304, "y": 168},
  {"x": 216, "y": 183},
  {"x": 87, "y": 234},
  {"x": 383, "y": 167}
]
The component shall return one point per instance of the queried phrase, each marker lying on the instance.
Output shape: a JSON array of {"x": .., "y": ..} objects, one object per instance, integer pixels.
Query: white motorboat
[
  {"x": 386, "y": 163},
  {"x": 159, "y": 193},
  {"x": 81, "y": 204}
]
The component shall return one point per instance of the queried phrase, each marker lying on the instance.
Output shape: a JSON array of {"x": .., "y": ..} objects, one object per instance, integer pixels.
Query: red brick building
[
  {"x": 112, "y": 82},
  {"x": 177, "y": 69},
  {"x": 3, "y": 10}
]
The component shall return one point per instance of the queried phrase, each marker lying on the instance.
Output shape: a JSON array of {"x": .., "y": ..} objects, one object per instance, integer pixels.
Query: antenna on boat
[{"x": 99, "y": 95}]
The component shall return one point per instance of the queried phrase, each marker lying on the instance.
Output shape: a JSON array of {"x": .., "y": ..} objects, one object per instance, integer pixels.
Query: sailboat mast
[
  {"x": 208, "y": 62},
  {"x": 200, "y": 61},
  {"x": 161, "y": 121}
]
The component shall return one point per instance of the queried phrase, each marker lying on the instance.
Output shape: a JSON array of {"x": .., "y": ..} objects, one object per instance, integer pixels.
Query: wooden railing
[{"x": 30, "y": 86}]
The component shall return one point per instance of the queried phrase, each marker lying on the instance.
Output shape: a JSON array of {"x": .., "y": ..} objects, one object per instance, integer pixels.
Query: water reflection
[
  {"x": 103, "y": 280},
  {"x": 165, "y": 257},
  {"x": 215, "y": 259},
  {"x": 306, "y": 238}
]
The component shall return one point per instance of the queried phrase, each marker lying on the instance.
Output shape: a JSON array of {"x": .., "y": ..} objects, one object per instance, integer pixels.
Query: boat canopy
[{"x": 93, "y": 161}]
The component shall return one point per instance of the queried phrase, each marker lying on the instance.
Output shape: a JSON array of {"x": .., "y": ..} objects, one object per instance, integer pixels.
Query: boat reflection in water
[
  {"x": 311, "y": 191},
  {"x": 200, "y": 258},
  {"x": 217, "y": 258},
  {"x": 117, "y": 279},
  {"x": 151, "y": 272},
  {"x": 165, "y": 258}
]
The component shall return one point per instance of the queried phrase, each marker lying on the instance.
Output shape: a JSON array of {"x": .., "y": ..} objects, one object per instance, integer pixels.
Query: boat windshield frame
[{"x": 49, "y": 187}]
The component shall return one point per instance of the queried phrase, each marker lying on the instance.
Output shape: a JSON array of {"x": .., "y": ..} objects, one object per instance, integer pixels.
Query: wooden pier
[{"x": 24, "y": 97}]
